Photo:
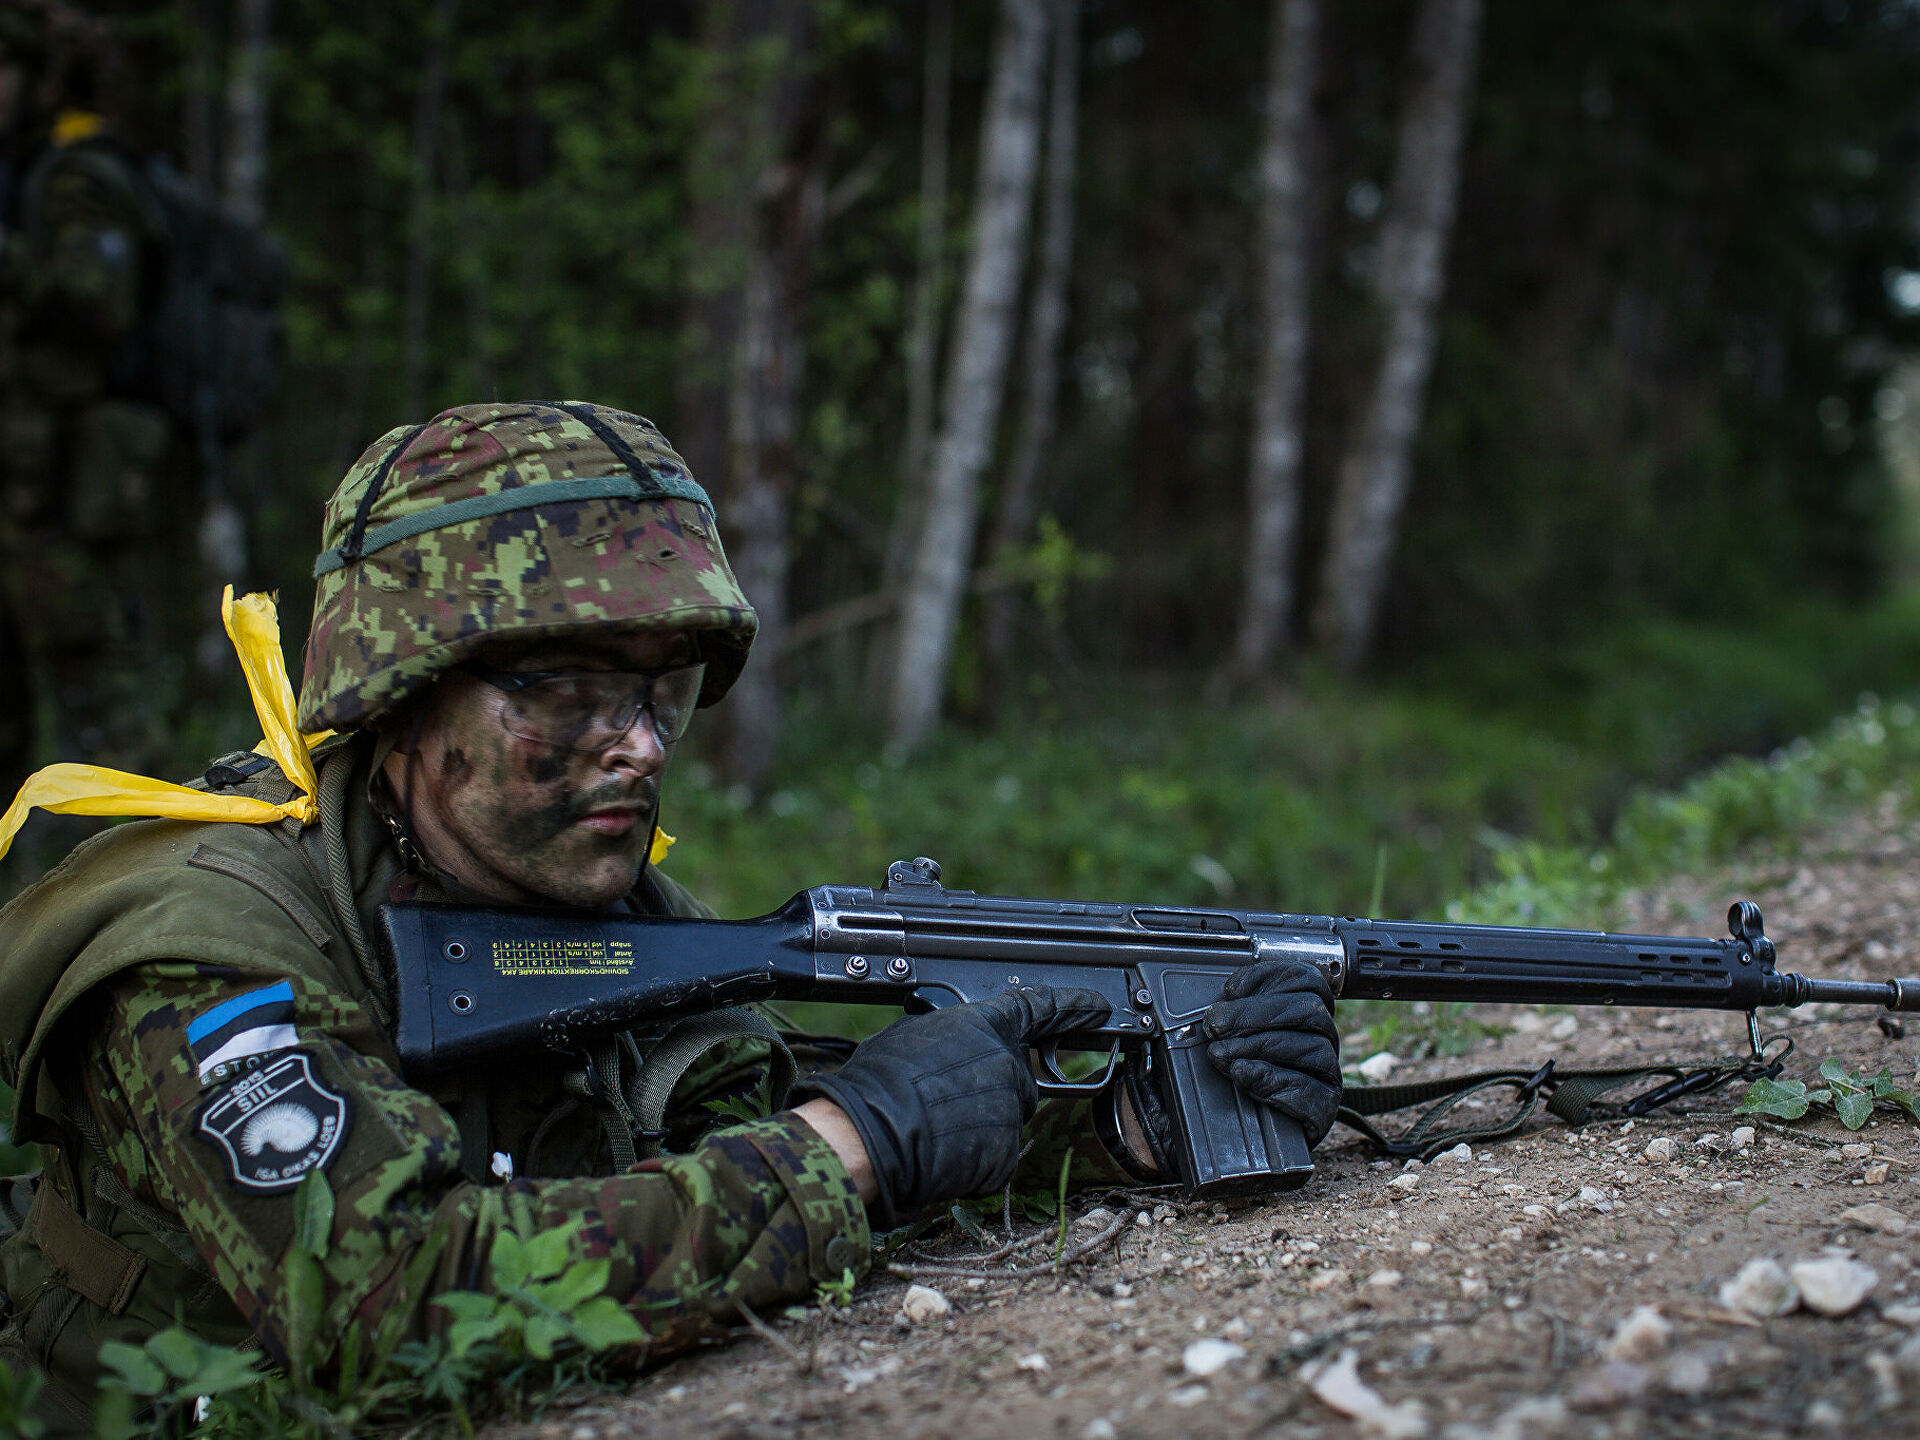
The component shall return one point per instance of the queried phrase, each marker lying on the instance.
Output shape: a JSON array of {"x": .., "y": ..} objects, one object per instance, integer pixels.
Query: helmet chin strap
[{"x": 380, "y": 793}]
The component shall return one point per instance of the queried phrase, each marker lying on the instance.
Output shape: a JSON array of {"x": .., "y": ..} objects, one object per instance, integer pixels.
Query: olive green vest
[{"x": 85, "y": 1262}]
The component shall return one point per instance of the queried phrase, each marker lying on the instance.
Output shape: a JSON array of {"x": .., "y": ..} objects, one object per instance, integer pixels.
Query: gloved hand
[
  {"x": 1271, "y": 1032},
  {"x": 939, "y": 1099}
]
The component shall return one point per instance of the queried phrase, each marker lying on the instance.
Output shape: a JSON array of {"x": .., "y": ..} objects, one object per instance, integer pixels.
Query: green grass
[{"x": 1336, "y": 797}]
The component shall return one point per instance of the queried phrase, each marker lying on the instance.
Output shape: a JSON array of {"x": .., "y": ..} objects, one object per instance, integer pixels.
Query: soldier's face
[{"x": 525, "y": 822}]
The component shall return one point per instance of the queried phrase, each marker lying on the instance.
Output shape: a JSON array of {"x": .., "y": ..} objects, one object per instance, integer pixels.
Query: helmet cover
[{"x": 510, "y": 522}]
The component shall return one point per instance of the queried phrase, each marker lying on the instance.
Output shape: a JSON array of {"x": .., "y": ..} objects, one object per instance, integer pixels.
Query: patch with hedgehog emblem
[{"x": 275, "y": 1123}]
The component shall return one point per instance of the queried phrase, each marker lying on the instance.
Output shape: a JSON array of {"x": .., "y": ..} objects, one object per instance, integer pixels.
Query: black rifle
[{"x": 477, "y": 986}]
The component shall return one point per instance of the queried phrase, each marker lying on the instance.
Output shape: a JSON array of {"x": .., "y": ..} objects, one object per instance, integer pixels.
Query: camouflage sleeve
[{"x": 217, "y": 1092}]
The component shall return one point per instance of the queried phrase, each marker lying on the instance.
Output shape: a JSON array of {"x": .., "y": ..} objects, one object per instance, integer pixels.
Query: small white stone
[
  {"x": 1236, "y": 1329},
  {"x": 1461, "y": 1154},
  {"x": 1338, "y": 1386},
  {"x": 1742, "y": 1137},
  {"x": 1209, "y": 1357},
  {"x": 1761, "y": 1289},
  {"x": 1690, "y": 1372},
  {"x": 1187, "y": 1395},
  {"x": 1384, "y": 1279},
  {"x": 1472, "y": 1288},
  {"x": 1875, "y": 1174},
  {"x": 1404, "y": 1183},
  {"x": 1100, "y": 1428},
  {"x": 1643, "y": 1335},
  {"x": 1833, "y": 1285},
  {"x": 1377, "y": 1067},
  {"x": 1036, "y": 1362},
  {"x": 922, "y": 1304},
  {"x": 1420, "y": 1247},
  {"x": 1659, "y": 1151},
  {"x": 1855, "y": 1151},
  {"x": 1878, "y": 1217},
  {"x": 1564, "y": 1028},
  {"x": 1826, "y": 1415},
  {"x": 1710, "y": 1141}
]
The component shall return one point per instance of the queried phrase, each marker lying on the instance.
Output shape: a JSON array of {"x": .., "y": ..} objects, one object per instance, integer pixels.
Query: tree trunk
[
  {"x": 1273, "y": 480},
  {"x": 923, "y": 341},
  {"x": 976, "y": 373},
  {"x": 1411, "y": 274},
  {"x": 1046, "y": 324},
  {"x": 228, "y": 475},
  {"x": 244, "y": 171},
  {"x": 416, "y": 297},
  {"x": 755, "y": 174},
  {"x": 789, "y": 194}
]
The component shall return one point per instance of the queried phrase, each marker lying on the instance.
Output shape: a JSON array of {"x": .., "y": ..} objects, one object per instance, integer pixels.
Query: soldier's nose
[{"x": 638, "y": 750}]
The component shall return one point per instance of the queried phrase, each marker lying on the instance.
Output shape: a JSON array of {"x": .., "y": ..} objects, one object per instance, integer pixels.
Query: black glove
[
  {"x": 1271, "y": 1032},
  {"x": 939, "y": 1099}
]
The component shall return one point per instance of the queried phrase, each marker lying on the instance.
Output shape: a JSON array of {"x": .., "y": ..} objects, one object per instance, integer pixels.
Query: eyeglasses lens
[{"x": 591, "y": 710}]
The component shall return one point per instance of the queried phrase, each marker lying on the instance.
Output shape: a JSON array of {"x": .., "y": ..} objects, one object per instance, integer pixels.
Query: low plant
[{"x": 1852, "y": 1098}]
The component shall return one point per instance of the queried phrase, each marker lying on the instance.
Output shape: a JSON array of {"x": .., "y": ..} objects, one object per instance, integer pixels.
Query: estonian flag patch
[{"x": 256, "y": 1023}]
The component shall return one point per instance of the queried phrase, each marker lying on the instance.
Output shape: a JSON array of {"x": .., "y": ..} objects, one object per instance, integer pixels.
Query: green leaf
[
  {"x": 1820, "y": 1097},
  {"x": 177, "y": 1352},
  {"x": 509, "y": 1261},
  {"x": 601, "y": 1324},
  {"x": 468, "y": 1304},
  {"x": 463, "y": 1335},
  {"x": 582, "y": 1281},
  {"x": 223, "y": 1368},
  {"x": 967, "y": 1221},
  {"x": 134, "y": 1368},
  {"x": 1787, "y": 1099},
  {"x": 549, "y": 1251},
  {"x": 1835, "y": 1073},
  {"x": 313, "y": 1213},
  {"x": 543, "y": 1333},
  {"x": 1853, "y": 1110}
]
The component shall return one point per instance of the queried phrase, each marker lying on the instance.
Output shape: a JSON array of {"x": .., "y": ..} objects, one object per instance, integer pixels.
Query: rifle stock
[{"x": 477, "y": 985}]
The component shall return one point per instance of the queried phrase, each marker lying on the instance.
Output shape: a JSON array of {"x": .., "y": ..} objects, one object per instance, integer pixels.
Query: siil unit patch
[{"x": 274, "y": 1124}]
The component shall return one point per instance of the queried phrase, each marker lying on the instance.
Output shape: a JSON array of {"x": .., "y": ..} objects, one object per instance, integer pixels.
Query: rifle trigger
[{"x": 1055, "y": 1082}]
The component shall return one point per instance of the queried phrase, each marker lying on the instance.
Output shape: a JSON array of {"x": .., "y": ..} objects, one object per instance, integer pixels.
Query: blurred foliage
[
  {"x": 1332, "y": 797},
  {"x": 1667, "y": 322}
]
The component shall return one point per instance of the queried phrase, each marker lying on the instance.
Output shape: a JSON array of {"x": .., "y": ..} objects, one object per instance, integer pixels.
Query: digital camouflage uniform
[
  {"x": 93, "y": 515},
  {"x": 141, "y": 990}
]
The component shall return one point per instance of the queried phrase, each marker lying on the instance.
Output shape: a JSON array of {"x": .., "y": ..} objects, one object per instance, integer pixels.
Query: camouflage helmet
[{"x": 510, "y": 521}]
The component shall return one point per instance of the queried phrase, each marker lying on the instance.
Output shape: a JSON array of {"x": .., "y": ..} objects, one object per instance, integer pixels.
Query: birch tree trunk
[
  {"x": 976, "y": 373},
  {"x": 1046, "y": 324},
  {"x": 1411, "y": 273},
  {"x": 1280, "y": 387},
  {"x": 923, "y": 339}
]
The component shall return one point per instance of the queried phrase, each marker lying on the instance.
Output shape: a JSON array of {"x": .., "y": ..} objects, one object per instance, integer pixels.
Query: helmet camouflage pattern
[{"x": 510, "y": 521}]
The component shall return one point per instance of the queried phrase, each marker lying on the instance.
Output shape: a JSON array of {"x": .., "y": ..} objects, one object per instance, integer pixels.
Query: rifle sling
[{"x": 1571, "y": 1096}]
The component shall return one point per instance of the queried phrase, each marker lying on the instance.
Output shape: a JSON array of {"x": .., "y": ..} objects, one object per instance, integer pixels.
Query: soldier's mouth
[{"x": 616, "y": 821}]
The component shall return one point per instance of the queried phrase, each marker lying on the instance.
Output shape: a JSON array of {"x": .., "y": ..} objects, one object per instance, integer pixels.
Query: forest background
[{"x": 1196, "y": 451}]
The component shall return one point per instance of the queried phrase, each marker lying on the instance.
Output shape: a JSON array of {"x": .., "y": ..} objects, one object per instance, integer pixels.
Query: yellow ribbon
[
  {"x": 253, "y": 624},
  {"x": 68, "y": 789}
]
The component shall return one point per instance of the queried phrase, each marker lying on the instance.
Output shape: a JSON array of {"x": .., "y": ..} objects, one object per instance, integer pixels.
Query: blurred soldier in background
[
  {"x": 82, "y": 468},
  {"x": 138, "y": 336}
]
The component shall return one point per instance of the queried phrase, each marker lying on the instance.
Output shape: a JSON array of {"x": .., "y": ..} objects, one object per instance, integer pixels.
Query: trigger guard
[{"x": 1055, "y": 1081}]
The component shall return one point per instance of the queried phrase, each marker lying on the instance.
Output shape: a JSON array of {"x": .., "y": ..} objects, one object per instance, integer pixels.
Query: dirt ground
[{"x": 1469, "y": 1297}]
